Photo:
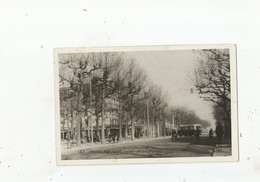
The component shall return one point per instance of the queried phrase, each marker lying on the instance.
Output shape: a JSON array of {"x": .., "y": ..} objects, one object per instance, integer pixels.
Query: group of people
[
  {"x": 219, "y": 132},
  {"x": 72, "y": 135},
  {"x": 113, "y": 138}
]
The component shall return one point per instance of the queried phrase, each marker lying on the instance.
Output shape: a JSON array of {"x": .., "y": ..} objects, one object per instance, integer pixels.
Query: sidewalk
[
  {"x": 224, "y": 151},
  {"x": 84, "y": 146}
]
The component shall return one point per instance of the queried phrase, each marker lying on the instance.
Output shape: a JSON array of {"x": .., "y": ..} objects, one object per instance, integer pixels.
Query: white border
[{"x": 234, "y": 122}]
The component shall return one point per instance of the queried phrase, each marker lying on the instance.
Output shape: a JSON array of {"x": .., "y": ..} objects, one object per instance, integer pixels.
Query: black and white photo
[{"x": 153, "y": 104}]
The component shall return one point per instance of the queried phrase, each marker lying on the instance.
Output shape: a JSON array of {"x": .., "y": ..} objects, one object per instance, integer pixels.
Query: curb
[{"x": 94, "y": 146}]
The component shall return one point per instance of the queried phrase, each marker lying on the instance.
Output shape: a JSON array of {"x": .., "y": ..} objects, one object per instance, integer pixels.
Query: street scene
[
  {"x": 145, "y": 104},
  {"x": 160, "y": 147}
]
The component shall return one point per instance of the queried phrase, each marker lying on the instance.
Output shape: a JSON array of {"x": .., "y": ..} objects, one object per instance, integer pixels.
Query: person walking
[
  {"x": 210, "y": 133},
  {"x": 219, "y": 132},
  {"x": 68, "y": 137},
  {"x": 116, "y": 138},
  {"x": 174, "y": 134},
  {"x": 110, "y": 138},
  {"x": 198, "y": 133}
]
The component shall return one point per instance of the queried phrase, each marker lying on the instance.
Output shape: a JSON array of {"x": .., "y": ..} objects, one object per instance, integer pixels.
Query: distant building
[{"x": 68, "y": 100}]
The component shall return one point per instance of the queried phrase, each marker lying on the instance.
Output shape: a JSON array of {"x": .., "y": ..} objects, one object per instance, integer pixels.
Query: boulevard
[{"x": 155, "y": 148}]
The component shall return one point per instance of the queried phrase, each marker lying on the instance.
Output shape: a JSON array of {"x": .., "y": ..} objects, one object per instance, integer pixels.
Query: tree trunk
[
  {"x": 97, "y": 126},
  {"x": 88, "y": 130},
  {"x": 132, "y": 124},
  {"x": 120, "y": 129},
  {"x": 79, "y": 96},
  {"x": 78, "y": 129},
  {"x": 153, "y": 123},
  {"x": 158, "y": 129},
  {"x": 227, "y": 125},
  {"x": 72, "y": 119},
  {"x": 158, "y": 124},
  {"x": 120, "y": 123},
  {"x": 143, "y": 131},
  {"x": 148, "y": 122},
  {"x": 91, "y": 129},
  {"x": 90, "y": 116},
  {"x": 103, "y": 115},
  {"x": 126, "y": 126}
]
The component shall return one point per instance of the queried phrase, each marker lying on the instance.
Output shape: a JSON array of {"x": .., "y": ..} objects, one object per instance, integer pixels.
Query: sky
[{"x": 171, "y": 70}]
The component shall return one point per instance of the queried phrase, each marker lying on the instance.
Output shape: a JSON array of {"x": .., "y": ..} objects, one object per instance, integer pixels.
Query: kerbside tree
[{"x": 212, "y": 80}]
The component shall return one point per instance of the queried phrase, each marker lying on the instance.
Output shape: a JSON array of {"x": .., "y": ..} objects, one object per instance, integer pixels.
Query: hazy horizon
[{"x": 170, "y": 70}]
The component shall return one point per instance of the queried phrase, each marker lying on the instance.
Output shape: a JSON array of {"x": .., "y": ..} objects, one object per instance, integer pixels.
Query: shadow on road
[{"x": 204, "y": 140}]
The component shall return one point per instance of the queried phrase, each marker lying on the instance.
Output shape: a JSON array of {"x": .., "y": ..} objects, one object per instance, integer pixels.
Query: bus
[{"x": 189, "y": 130}]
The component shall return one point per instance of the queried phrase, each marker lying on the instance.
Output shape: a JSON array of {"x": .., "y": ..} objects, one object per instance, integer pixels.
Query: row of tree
[
  {"x": 212, "y": 80},
  {"x": 96, "y": 77},
  {"x": 183, "y": 115}
]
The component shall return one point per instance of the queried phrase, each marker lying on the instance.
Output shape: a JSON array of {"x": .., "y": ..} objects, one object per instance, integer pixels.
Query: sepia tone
[{"x": 145, "y": 104}]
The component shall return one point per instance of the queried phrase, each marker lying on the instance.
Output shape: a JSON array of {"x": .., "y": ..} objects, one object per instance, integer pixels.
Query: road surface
[{"x": 157, "y": 148}]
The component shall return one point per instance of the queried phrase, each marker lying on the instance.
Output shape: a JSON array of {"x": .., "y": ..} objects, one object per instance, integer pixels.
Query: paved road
[{"x": 163, "y": 147}]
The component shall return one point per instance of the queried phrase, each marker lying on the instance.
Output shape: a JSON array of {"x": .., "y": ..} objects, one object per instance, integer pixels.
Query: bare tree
[
  {"x": 157, "y": 100},
  {"x": 74, "y": 71},
  {"x": 122, "y": 92},
  {"x": 185, "y": 116},
  {"x": 134, "y": 87},
  {"x": 212, "y": 80},
  {"x": 108, "y": 63}
]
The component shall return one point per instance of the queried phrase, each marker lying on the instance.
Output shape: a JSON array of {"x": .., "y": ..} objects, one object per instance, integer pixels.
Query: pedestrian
[
  {"x": 210, "y": 133},
  {"x": 116, "y": 138},
  {"x": 110, "y": 138},
  {"x": 198, "y": 133},
  {"x": 219, "y": 132},
  {"x": 95, "y": 138},
  {"x": 74, "y": 135},
  {"x": 68, "y": 137},
  {"x": 83, "y": 136},
  {"x": 174, "y": 134},
  {"x": 113, "y": 138}
]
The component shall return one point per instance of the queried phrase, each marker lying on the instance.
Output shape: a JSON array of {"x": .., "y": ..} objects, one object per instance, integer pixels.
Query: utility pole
[
  {"x": 148, "y": 127},
  {"x": 90, "y": 103}
]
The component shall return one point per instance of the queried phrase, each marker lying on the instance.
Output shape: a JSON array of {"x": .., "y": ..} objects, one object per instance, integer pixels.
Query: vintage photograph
[{"x": 150, "y": 104}]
